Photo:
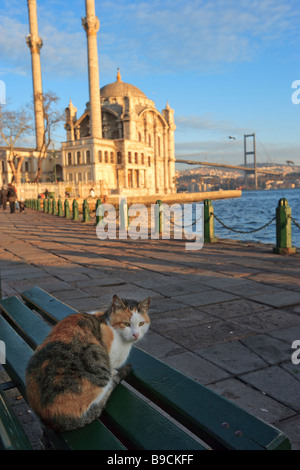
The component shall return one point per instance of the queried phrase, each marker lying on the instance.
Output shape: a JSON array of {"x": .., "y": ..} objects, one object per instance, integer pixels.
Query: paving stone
[
  {"x": 179, "y": 319},
  {"x": 179, "y": 288},
  {"x": 270, "y": 349},
  {"x": 158, "y": 346},
  {"x": 252, "y": 400},
  {"x": 208, "y": 334},
  {"x": 278, "y": 384},
  {"x": 207, "y": 297},
  {"x": 290, "y": 427},
  {"x": 287, "y": 334},
  {"x": 266, "y": 321},
  {"x": 279, "y": 299},
  {"x": 196, "y": 367},
  {"x": 234, "y": 308},
  {"x": 233, "y": 357}
]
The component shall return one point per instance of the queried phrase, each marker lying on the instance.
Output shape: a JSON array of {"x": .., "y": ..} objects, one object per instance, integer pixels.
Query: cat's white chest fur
[{"x": 119, "y": 351}]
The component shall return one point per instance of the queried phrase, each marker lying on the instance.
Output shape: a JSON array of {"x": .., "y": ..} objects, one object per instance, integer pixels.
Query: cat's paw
[{"x": 124, "y": 371}]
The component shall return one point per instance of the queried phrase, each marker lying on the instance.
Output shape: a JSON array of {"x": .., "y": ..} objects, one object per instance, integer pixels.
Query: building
[
  {"x": 135, "y": 153},
  {"x": 52, "y": 170}
]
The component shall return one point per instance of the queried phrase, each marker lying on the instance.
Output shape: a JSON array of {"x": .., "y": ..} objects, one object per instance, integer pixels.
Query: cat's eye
[
  {"x": 126, "y": 323},
  {"x": 141, "y": 323}
]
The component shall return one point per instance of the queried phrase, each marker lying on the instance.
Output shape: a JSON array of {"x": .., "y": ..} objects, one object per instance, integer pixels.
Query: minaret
[
  {"x": 91, "y": 25},
  {"x": 35, "y": 43}
]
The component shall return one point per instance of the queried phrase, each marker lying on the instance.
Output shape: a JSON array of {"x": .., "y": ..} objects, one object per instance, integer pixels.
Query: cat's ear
[
  {"x": 144, "y": 304},
  {"x": 117, "y": 302}
]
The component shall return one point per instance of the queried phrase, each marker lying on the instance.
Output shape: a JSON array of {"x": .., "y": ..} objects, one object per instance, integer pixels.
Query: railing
[{"x": 283, "y": 219}]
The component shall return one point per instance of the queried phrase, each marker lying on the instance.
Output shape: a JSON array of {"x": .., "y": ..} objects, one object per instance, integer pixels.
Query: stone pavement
[{"x": 225, "y": 315}]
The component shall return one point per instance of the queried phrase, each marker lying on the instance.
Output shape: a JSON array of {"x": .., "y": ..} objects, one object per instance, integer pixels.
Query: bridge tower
[{"x": 252, "y": 152}]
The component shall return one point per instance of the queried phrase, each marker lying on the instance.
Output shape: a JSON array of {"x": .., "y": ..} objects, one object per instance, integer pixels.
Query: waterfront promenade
[{"x": 225, "y": 315}]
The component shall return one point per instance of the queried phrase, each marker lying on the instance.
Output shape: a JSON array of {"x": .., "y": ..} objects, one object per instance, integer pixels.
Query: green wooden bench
[{"x": 130, "y": 421}]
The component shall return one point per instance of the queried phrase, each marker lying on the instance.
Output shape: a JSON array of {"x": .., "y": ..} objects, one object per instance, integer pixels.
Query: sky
[{"x": 226, "y": 67}]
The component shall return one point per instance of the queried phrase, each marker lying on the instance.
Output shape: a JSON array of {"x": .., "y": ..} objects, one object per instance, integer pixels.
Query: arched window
[
  {"x": 136, "y": 158},
  {"x": 149, "y": 161},
  {"x": 140, "y": 137},
  {"x": 142, "y": 159},
  {"x": 99, "y": 156},
  {"x": 112, "y": 159},
  {"x": 119, "y": 158},
  {"x": 69, "y": 158},
  {"x": 158, "y": 145},
  {"x": 88, "y": 156},
  {"x": 106, "y": 157},
  {"x": 78, "y": 158},
  {"x": 129, "y": 157},
  {"x": 79, "y": 177}
]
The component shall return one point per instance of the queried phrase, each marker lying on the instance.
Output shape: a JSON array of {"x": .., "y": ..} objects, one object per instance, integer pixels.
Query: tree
[
  {"x": 13, "y": 126},
  {"x": 52, "y": 118}
]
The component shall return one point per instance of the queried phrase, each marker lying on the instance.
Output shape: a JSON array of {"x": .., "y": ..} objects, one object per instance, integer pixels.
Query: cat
[{"x": 72, "y": 373}]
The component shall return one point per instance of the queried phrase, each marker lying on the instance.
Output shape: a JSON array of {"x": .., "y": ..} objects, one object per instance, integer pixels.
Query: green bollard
[
  {"x": 284, "y": 229},
  {"x": 159, "y": 218},
  {"x": 99, "y": 211},
  {"x": 54, "y": 207},
  {"x": 50, "y": 202},
  {"x": 85, "y": 211},
  {"x": 209, "y": 227},
  {"x": 60, "y": 211},
  {"x": 67, "y": 213},
  {"x": 38, "y": 204},
  {"x": 75, "y": 210},
  {"x": 46, "y": 202}
]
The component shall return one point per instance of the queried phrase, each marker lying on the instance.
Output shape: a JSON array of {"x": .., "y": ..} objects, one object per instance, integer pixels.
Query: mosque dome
[{"x": 120, "y": 89}]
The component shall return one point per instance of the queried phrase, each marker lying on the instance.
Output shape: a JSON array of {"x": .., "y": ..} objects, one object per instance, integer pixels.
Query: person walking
[
  {"x": 3, "y": 198},
  {"x": 12, "y": 197}
]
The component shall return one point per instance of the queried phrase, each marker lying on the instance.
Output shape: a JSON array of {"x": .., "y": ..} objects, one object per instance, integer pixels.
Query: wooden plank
[
  {"x": 28, "y": 325},
  {"x": 12, "y": 435},
  {"x": 143, "y": 426},
  {"x": 52, "y": 309},
  {"x": 216, "y": 420}
]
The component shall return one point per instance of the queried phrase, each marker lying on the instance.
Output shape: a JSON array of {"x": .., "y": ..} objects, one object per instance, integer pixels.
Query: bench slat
[
  {"x": 12, "y": 435},
  {"x": 30, "y": 327},
  {"x": 143, "y": 426},
  {"x": 207, "y": 414},
  {"x": 52, "y": 309}
]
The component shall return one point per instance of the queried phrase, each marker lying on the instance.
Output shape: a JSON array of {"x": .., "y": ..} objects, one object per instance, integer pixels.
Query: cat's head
[{"x": 130, "y": 318}]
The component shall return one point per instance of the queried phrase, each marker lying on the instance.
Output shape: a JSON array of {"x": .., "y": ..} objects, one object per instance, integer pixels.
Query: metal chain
[
  {"x": 180, "y": 226},
  {"x": 293, "y": 220},
  {"x": 240, "y": 231}
]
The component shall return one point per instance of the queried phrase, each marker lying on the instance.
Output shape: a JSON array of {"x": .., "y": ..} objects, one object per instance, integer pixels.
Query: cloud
[
  {"x": 157, "y": 37},
  {"x": 207, "y": 123}
]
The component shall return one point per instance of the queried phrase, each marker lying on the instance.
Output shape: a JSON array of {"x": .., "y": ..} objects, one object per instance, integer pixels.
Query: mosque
[
  {"x": 121, "y": 139},
  {"x": 121, "y": 142}
]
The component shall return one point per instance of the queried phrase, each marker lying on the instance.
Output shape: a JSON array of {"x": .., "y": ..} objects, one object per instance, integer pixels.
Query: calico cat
[{"x": 72, "y": 373}]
